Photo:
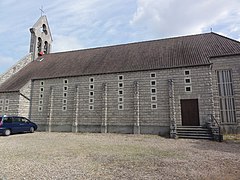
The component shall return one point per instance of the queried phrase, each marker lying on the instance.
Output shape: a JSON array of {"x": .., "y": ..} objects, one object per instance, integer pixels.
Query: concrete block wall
[
  {"x": 153, "y": 121},
  {"x": 12, "y": 105},
  {"x": 17, "y": 67},
  {"x": 227, "y": 63}
]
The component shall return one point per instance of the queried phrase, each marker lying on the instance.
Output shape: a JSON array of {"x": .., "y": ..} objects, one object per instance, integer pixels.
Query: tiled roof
[{"x": 158, "y": 54}]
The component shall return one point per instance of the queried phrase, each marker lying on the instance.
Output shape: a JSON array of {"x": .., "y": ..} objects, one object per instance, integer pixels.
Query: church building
[{"x": 151, "y": 87}]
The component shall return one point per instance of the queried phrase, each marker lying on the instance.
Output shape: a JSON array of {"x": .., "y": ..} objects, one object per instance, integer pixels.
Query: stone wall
[
  {"x": 9, "y": 103},
  {"x": 17, "y": 67},
  {"x": 152, "y": 116},
  {"x": 227, "y": 63},
  {"x": 24, "y": 100}
]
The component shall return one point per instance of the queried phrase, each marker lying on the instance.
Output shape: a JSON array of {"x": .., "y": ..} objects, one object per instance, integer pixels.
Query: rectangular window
[
  {"x": 1, "y": 101},
  {"x": 65, "y": 88},
  {"x": 65, "y": 81},
  {"x": 64, "y": 101},
  {"x": 64, "y": 108},
  {"x": 120, "y": 77},
  {"x": 153, "y": 75},
  {"x": 226, "y": 96},
  {"x": 91, "y": 86},
  {"x": 188, "y": 88},
  {"x": 153, "y": 98},
  {"x": 120, "y": 99},
  {"x": 187, "y": 80},
  {"x": 120, "y": 85},
  {"x": 153, "y": 90},
  {"x": 91, "y": 100},
  {"x": 120, "y": 92},
  {"x": 6, "y": 101},
  {"x": 41, "y": 89},
  {"x": 186, "y": 72},
  {"x": 41, "y": 83},
  {"x": 40, "y": 96},
  {"x": 91, "y": 107},
  {"x": 6, "y": 108},
  {"x": 65, "y": 94},
  {"x": 153, "y": 83},
  {"x": 40, "y": 102},
  {"x": 91, "y": 93},
  {"x": 154, "y": 106},
  {"x": 120, "y": 107},
  {"x": 40, "y": 108},
  {"x": 91, "y": 79},
  {"x": 1, "y": 108}
]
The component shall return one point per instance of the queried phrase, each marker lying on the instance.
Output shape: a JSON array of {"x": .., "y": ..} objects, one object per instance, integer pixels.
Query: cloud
[
  {"x": 65, "y": 43},
  {"x": 172, "y": 18}
]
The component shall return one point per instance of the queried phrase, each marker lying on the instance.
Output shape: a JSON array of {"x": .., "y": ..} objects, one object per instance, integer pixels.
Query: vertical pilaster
[
  {"x": 50, "y": 110},
  {"x": 136, "y": 108},
  {"x": 76, "y": 102},
  {"x": 173, "y": 124},
  {"x": 104, "y": 108}
]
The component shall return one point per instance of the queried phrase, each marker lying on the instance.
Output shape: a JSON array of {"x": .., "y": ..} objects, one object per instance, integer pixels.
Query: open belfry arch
[
  {"x": 41, "y": 38},
  {"x": 159, "y": 87}
]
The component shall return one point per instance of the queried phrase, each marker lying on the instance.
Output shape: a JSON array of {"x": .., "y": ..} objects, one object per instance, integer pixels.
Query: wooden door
[{"x": 190, "y": 112}]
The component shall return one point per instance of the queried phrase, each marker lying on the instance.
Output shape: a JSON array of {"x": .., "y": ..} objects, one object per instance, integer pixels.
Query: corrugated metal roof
[{"x": 157, "y": 54}]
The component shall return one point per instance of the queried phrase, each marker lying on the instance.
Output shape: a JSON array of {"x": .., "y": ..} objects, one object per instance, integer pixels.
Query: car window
[
  {"x": 7, "y": 119},
  {"x": 16, "y": 119},
  {"x": 0, "y": 118}
]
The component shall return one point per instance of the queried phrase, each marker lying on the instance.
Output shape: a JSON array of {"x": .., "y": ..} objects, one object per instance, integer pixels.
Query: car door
[{"x": 8, "y": 124}]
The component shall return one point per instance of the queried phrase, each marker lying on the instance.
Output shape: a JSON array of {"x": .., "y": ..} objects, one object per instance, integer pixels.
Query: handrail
[{"x": 213, "y": 119}]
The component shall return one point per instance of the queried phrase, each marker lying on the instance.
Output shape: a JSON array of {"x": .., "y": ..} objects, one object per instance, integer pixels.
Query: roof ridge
[{"x": 131, "y": 43}]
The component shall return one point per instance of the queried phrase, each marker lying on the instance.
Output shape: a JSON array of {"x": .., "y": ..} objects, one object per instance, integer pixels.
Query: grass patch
[{"x": 232, "y": 137}]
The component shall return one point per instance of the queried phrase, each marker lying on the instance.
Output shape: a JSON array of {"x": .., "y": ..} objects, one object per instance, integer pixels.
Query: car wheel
[
  {"x": 7, "y": 132},
  {"x": 31, "y": 130}
]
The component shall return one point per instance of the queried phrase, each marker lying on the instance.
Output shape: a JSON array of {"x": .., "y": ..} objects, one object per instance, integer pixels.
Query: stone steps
[{"x": 194, "y": 132}]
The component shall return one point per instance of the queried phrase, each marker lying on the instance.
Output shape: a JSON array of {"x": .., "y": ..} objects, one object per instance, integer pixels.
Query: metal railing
[{"x": 215, "y": 128}]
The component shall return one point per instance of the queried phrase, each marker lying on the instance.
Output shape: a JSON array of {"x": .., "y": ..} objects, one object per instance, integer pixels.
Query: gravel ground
[{"x": 115, "y": 156}]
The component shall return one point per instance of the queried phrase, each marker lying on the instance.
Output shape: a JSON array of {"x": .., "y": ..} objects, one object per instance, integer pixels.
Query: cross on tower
[{"x": 42, "y": 11}]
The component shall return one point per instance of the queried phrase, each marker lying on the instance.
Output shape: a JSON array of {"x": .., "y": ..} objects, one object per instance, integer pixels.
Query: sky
[{"x": 82, "y": 24}]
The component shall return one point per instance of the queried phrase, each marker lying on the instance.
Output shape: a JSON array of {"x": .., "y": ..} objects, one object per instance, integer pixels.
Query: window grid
[
  {"x": 120, "y": 92},
  {"x": 226, "y": 96}
]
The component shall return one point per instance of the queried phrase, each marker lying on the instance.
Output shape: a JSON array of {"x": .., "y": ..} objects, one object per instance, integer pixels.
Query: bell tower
[{"x": 41, "y": 38}]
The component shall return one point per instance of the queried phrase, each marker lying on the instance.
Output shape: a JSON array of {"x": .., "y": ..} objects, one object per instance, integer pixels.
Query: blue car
[{"x": 16, "y": 124}]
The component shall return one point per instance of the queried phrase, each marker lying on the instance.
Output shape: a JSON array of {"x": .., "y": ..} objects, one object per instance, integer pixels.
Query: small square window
[
  {"x": 120, "y": 92},
  {"x": 65, "y": 94},
  {"x": 41, "y": 89},
  {"x": 40, "y": 96},
  {"x": 41, "y": 83},
  {"x": 91, "y": 93},
  {"x": 1, "y": 101},
  {"x": 65, "y": 88},
  {"x": 188, "y": 89},
  {"x": 40, "y": 108},
  {"x": 120, "y": 99},
  {"x": 153, "y": 82},
  {"x": 91, "y": 100},
  {"x": 6, "y": 108},
  {"x": 120, "y": 77},
  {"x": 91, "y": 86},
  {"x": 120, "y": 107},
  {"x": 154, "y": 98},
  {"x": 187, "y": 80},
  {"x": 91, "y": 107},
  {"x": 1, "y": 108},
  {"x": 64, "y": 108},
  {"x": 6, "y": 101},
  {"x": 65, "y": 81},
  {"x": 64, "y": 101},
  {"x": 154, "y": 106},
  {"x": 91, "y": 79},
  {"x": 153, "y": 75},
  {"x": 153, "y": 90},
  {"x": 186, "y": 72},
  {"x": 120, "y": 85},
  {"x": 40, "y": 102}
]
